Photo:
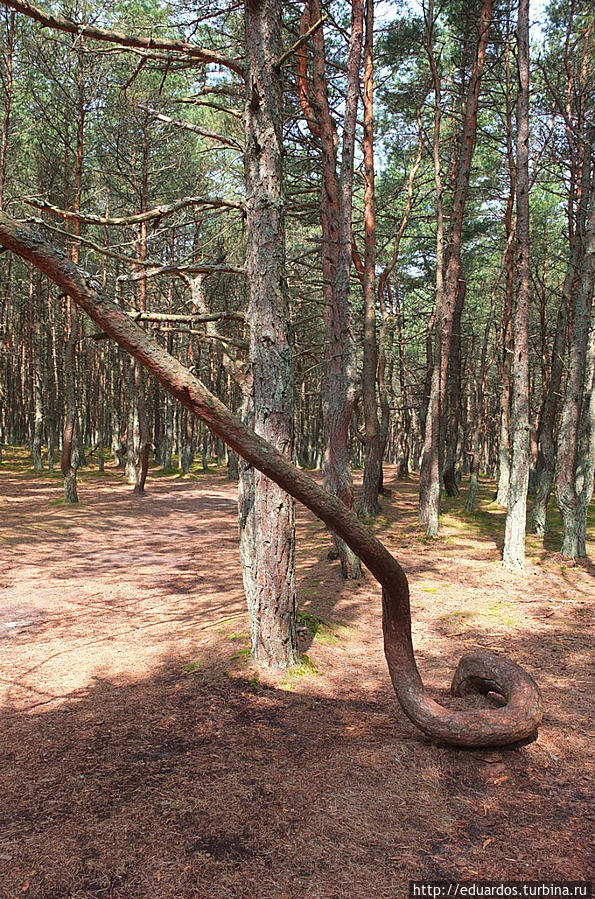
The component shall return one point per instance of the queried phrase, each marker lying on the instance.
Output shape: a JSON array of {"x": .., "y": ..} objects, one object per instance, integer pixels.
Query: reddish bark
[
  {"x": 338, "y": 373},
  {"x": 446, "y": 300}
]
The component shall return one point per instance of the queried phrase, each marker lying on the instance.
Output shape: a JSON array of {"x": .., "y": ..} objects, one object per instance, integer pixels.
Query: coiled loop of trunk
[{"x": 481, "y": 671}]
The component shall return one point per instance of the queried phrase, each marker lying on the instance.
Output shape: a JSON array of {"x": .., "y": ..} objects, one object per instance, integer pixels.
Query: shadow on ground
[{"x": 194, "y": 783}]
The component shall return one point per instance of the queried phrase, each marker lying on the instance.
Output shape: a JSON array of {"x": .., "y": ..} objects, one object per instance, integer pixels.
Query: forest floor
[{"x": 143, "y": 757}]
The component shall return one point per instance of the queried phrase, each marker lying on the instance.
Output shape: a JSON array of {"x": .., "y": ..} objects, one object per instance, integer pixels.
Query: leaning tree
[
  {"x": 263, "y": 435},
  {"x": 478, "y": 672}
]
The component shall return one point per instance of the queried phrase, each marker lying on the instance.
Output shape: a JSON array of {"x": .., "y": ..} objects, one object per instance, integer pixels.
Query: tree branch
[
  {"x": 189, "y": 126},
  {"x": 301, "y": 40},
  {"x": 185, "y": 319},
  {"x": 60, "y": 23},
  {"x": 157, "y": 213}
]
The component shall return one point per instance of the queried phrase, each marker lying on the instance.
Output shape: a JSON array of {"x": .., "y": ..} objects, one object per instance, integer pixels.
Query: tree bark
[
  {"x": 453, "y": 398},
  {"x": 506, "y": 318},
  {"x": 70, "y": 458},
  {"x": 585, "y": 467},
  {"x": 516, "y": 516},
  {"x": 369, "y": 506},
  {"x": 338, "y": 372},
  {"x": 429, "y": 474},
  {"x": 71, "y": 448},
  {"x": 267, "y": 516},
  {"x": 546, "y": 459},
  {"x": 568, "y": 436},
  {"x": 446, "y": 299}
]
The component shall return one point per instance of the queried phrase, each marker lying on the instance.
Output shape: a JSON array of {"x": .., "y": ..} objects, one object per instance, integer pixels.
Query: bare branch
[
  {"x": 157, "y": 213},
  {"x": 186, "y": 319},
  {"x": 194, "y": 268},
  {"x": 301, "y": 40},
  {"x": 189, "y": 126},
  {"x": 60, "y": 23}
]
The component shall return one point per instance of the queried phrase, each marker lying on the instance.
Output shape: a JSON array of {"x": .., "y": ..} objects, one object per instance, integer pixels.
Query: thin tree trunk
[
  {"x": 143, "y": 428},
  {"x": 38, "y": 425},
  {"x": 453, "y": 398},
  {"x": 568, "y": 436},
  {"x": 70, "y": 437},
  {"x": 8, "y": 99},
  {"x": 429, "y": 474},
  {"x": 142, "y": 439},
  {"x": 132, "y": 439},
  {"x": 393, "y": 315},
  {"x": 369, "y": 506},
  {"x": 516, "y": 516},
  {"x": 187, "y": 438},
  {"x": 478, "y": 391},
  {"x": 546, "y": 459}
]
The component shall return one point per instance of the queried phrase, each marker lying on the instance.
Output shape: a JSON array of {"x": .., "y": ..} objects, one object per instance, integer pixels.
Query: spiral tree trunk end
[{"x": 479, "y": 672}]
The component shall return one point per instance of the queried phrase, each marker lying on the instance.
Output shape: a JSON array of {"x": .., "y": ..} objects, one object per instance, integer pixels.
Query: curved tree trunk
[{"x": 477, "y": 672}]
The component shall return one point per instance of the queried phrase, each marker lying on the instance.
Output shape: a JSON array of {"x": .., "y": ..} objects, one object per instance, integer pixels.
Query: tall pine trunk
[
  {"x": 266, "y": 512},
  {"x": 574, "y": 408},
  {"x": 373, "y": 460},
  {"x": 338, "y": 372},
  {"x": 516, "y": 516},
  {"x": 446, "y": 299}
]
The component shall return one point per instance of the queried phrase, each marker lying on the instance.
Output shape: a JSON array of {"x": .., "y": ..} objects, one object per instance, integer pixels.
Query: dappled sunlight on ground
[{"x": 144, "y": 757}]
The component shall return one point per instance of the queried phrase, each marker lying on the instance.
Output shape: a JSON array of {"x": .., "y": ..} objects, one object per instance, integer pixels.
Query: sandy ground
[{"x": 143, "y": 757}]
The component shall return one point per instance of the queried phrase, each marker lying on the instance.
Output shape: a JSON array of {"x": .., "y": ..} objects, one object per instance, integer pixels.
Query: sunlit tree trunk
[
  {"x": 516, "y": 516},
  {"x": 266, "y": 512}
]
